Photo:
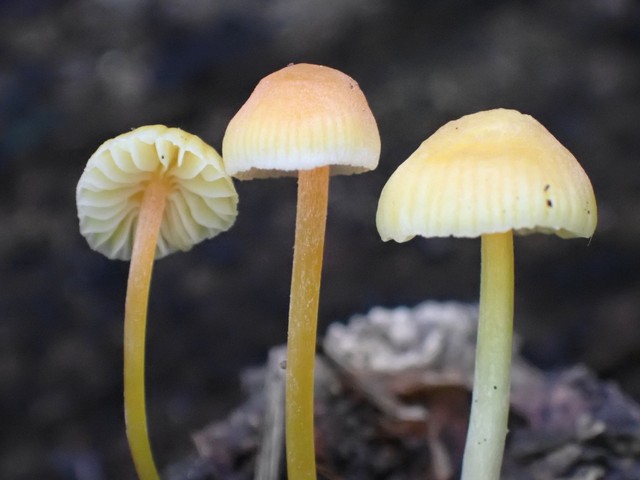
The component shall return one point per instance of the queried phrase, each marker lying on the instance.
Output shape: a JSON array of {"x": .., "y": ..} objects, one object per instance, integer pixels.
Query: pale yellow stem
[
  {"x": 135, "y": 319},
  {"x": 491, "y": 386},
  {"x": 313, "y": 192}
]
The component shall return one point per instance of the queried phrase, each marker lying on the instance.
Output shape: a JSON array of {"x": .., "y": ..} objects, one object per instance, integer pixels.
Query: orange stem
[
  {"x": 311, "y": 216},
  {"x": 135, "y": 320}
]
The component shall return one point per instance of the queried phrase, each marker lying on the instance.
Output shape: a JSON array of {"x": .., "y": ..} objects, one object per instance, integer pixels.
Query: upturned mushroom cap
[
  {"x": 201, "y": 201},
  {"x": 299, "y": 118},
  {"x": 488, "y": 172}
]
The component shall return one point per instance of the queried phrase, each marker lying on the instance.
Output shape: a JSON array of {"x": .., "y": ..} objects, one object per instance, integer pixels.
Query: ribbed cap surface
[
  {"x": 488, "y": 172},
  {"x": 201, "y": 203},
  {"x": 299, "y": 118}
]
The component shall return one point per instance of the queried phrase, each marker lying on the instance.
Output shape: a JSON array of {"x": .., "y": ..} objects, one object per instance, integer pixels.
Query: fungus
[
  {"x": 308, "y": 121},
  {"x": 488, "y": 175},
  {"x": 146, "y": 194}
]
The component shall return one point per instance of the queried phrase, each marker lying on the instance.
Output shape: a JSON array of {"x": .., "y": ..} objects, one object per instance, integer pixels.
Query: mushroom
[
  {"x": 308, "y": 121},
  {"x": 146, "y": 194},
  {"x": 488, "y": 175}
]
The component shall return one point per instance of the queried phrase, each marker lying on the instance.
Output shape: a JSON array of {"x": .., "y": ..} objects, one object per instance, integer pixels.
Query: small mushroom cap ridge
[
  {"x": 488, "y": 172},
  {"x": 201, "y": 202}
]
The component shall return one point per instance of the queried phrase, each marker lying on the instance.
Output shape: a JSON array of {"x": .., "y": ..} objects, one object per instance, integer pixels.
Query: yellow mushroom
[
  {"x": 488, "y": 175},
  {"x": 308, "y": 121},
  {"x": 144, "y": 195}
]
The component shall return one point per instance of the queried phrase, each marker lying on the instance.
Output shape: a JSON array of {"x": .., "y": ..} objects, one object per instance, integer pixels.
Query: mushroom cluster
[{"x": 156, "y": 190}]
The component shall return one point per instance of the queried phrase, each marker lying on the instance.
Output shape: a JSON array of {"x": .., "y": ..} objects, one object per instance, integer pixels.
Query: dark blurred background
[{"x": 74, "y": 73}]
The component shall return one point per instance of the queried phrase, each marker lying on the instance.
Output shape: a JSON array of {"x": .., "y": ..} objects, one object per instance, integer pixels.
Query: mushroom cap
[
  {"x": 201, "y": 201},
  {"x": 488, "y": 172},
  {"x": 299, "y": 118}
]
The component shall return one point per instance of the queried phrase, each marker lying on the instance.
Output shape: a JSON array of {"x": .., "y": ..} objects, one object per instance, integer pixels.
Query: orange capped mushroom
[{"x": 308, "y": 121}]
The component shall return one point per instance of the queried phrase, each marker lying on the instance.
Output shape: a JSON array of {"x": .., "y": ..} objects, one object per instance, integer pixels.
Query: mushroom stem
[
  {"x": 490, "y": 403},
  {"x": 144, "y": 248},
  {"x": 311, "y": 216}
]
